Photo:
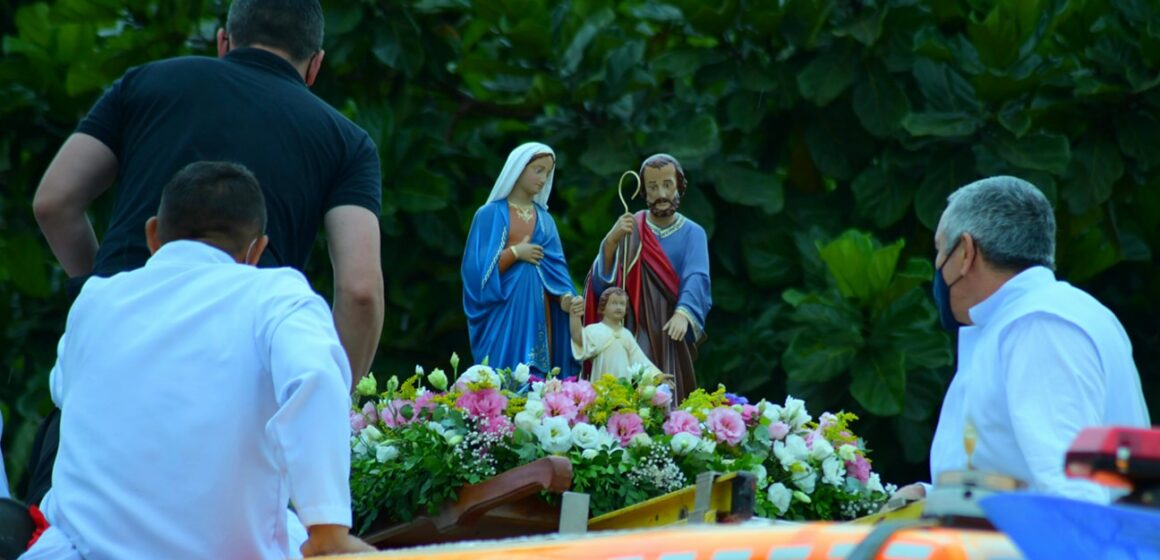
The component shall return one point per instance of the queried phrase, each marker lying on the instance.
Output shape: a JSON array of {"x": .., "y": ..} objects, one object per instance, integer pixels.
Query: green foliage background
[{"x": 821, "y": 138}]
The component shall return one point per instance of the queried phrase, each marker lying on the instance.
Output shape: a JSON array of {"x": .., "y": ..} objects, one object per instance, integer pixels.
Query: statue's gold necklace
[{"x": 524, "y": 212}]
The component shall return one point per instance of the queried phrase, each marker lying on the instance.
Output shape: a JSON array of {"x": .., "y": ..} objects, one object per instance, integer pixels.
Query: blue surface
[{"x": 1050, "y": 527}]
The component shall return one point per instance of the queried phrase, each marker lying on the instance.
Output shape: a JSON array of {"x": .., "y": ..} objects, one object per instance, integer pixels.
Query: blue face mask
[{"x": 942, "y": 300}]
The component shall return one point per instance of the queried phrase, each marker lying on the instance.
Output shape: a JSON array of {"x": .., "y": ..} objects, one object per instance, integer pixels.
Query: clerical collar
[{"x": 672, "y": 228}]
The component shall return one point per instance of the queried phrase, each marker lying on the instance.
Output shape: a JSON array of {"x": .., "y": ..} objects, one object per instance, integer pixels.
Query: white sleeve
[
  {"x": 1056, "y": 387},
  {"x": 311, "y": 375},
  {"x": 56, "y": 377}
]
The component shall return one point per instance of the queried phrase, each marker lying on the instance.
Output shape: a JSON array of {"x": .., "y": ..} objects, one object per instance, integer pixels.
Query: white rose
[
  {"x": 805, "y": 480},
  {"x": 535, "y": 407},
  {"x": 762, "y": 475},
  {"x": 585, "y": 436},
  {"x": 780, "y": 497},
  {"x": 684, "y": 443},
  {"x": 385, "y": 453},
  {"x": 790, "y": 450},
  {"x": 521, "y": 373},
  {"x": 832, "y": 471},
  {"x": 537, "y": 391},
  {"x": 847, "y": 452},
  {"x": 555, "y": 435},
  {"x": 527, "y": 420},
  {"x": 640, "y": 440},
  {"x": 707, "y": 447},
  {"x": 821, "y": 449},
  {"x": 770, "y": 411},
  {"x": 479, "y": 374},
  {"x": 875, "y": 483},
  {"x": 360, "y": 448},
  {"x": 795, "y": 413},
  {"x": 370, "y": 433},
  {"x": 418, "y": 370},
  {"x": 609, "y": 441},
  {"x": 589, "y": 454}
]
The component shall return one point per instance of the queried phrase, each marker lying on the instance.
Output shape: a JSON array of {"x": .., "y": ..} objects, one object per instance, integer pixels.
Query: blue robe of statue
[{"x": 510, "y": 317}]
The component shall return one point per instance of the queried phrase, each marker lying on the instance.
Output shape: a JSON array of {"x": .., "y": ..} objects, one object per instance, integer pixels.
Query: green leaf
[
  {"x": 947, "y": 172},
  {"x": 1040, "y": 151},
  {"x": 880, "y": 197},
  {"x": 878, "y": 382},
  {"x": 695, "y": 139},
  {"x": 1138, "y": 133},
  {"x": 827, "y": 76},
  {"x": 684, "y": 62},
  {"x": 748, "y": 187},
  {"x": 1014, "y": 118},
  {"x": 816, "y": 359},
  {"x": 663, "y": 13},
  {"x": 859, "y": 268},
  {"x": 27, "y": 263},
  {"x": 1096, "y": 168},
  {"x": 879, "y": 103},
  {"x": 608, "y": 155},
  {"x": 424, "y": 191},
  {"x": 572, "y": 56},
  {"x": 944, "y": 89},
  {"x": 841, "y": 160},
  {"x": 948, "y": 125}
]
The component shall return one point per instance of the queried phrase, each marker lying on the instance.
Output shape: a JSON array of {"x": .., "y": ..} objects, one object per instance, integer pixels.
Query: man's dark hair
[
  {"x": 293, "y": 26},
  {"x": 215, "y": 201}
]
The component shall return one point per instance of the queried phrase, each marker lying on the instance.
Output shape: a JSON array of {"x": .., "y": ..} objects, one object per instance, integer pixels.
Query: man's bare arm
[
  {"x": 354, "y": 240},
  {"x": 82, "y": 170}
]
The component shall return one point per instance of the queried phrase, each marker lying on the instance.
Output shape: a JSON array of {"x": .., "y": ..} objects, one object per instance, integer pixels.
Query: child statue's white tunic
[{"x": 612, "y": 350}]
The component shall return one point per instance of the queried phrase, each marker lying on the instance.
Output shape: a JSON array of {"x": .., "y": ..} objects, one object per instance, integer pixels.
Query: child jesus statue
[{"x": 611, "y": 347}]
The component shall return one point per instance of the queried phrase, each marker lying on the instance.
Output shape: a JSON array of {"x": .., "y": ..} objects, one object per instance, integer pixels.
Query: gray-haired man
[{"x": 1038, "y": 359}]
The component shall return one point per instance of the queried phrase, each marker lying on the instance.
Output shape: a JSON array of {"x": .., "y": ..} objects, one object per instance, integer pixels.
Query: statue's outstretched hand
[
  {"x": 677, "y": 326},
  {"x": 577, "y": 309}
]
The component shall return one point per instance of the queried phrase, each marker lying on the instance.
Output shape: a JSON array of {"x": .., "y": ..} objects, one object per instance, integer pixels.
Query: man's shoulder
[{"x": 693, "y": 225}]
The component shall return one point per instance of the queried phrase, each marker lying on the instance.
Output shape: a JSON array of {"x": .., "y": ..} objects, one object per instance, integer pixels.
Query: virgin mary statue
[{"x": 515, "y": 279}]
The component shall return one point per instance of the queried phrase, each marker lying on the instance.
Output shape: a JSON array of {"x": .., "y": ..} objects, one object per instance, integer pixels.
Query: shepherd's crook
[{"x": 624, "y": 241}]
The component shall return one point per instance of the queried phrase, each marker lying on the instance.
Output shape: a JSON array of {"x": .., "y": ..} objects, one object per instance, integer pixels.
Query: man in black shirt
[{"x": 251, "y": 105}]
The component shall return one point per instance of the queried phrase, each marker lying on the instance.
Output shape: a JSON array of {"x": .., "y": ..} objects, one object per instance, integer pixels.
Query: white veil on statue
[{"x": 516, "y": 162}]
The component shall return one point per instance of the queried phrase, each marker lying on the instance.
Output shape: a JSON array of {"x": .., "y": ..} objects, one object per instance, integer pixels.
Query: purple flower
[
  {"x": 358, "y": 421},
  {"x": 681, "y": 422},
  {"x": 727, "y": 425},
  {"x": 663, "y": 397},
  {"x": 372, "y": 414},
  {"x": 750, "y": 415},
  {"x": 624, "y": 426},
  {"x": 393, "y": 414},
  {"x": 733, "y": 399}
]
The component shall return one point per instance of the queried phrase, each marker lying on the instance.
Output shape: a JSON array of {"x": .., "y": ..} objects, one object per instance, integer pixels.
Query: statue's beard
[{"x": 674, "y": 204}]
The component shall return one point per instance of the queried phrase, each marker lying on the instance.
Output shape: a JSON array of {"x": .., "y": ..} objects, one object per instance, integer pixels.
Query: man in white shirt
[
  {"x": 200, "y": 395},
  {"x": 1038, "y": 359}
]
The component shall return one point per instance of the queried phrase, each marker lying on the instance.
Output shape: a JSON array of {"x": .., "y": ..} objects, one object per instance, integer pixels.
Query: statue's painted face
[
  {"x": 616, "y": 307},
  {"x": 536, "y": 174},
  {"x": 660, "y": 190}
]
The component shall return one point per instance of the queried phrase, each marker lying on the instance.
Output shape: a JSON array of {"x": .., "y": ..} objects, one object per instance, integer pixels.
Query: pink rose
[
  {"x": 358, "y": 421},
  {"x": 559, "y": 404},
  {"x": 827, "y": 420},
  {"x": 750, "y": 415},
  {"x": 810, "y": 436},
  {"x": 371, "y": 413},
  {"x": 727, "y": 425},
  {"x": 581, "y": 392},
  {"x": 486, "y": 403},
  {"x": 663, "y": 397},
  {"x": 426, "y": 401},
  {"x": 682, "y": 422},
  {"x": 778, "y": 430},
  {"x": 859, "y": 468},
  {"x": 625, "y": 425},
  {"x": 393, "y": 416}
]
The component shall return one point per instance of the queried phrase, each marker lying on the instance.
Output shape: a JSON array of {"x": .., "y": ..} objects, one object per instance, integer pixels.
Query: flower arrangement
[{"x": 417, "y": 443}]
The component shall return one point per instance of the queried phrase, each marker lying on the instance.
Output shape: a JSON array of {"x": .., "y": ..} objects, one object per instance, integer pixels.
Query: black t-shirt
[{"x": 250, "y": 107}]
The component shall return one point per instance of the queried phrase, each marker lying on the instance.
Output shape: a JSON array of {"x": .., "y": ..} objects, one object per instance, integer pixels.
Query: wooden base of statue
[{"x": 506, "y": 505}]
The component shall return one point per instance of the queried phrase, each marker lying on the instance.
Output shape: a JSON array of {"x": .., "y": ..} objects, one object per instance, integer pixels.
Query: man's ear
[
  {"x": 314, "y": 67},
  {"x": 255, "y": 254},
  {"x": 970, "y": 257},
  {"x": 223, "y": 42},
  {"x": 151, "y": 238}
]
